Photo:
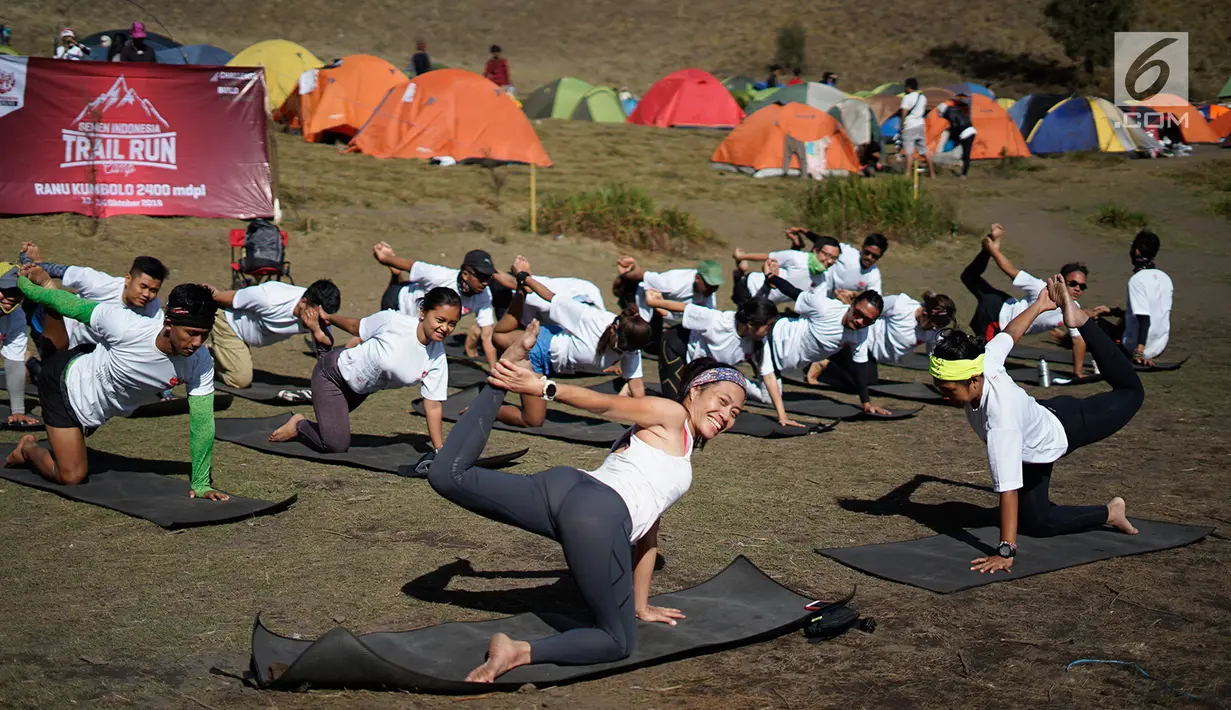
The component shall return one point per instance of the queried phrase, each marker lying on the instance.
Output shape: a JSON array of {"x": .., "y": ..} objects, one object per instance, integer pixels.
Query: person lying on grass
[
  {"x": 1024, "y": 436},
  {"x": 584, "y": 339},
  {"x": 594, "y": 515},
  {"x": 135, "y": 360}
]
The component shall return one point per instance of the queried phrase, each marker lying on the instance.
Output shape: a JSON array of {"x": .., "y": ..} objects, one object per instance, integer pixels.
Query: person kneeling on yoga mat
[
  {"x": 135, "y": 360},
  {"x": 391, "y": 351},
  {"x": 1026, "y": 437},
  {"x": 593, "y": 515},
  {"x": 584, "y": 339}
]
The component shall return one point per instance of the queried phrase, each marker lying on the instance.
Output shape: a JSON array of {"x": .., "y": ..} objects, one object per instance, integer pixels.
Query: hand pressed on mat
[{"x": 660, "y": 614}]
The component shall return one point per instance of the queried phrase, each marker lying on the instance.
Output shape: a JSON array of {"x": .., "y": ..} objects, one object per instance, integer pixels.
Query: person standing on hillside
[
  {"x": 136, "y": 49},
  {"x": 420, "y": 61},
  {"x": 497, "y": 70},
  {"x": 960, "y": 127},
  {"x": 795, "y": 79},
  {"x": 6, "y": 34},
  {"x": 830, "y": 78},
  {"x": 914, "y": 135}
]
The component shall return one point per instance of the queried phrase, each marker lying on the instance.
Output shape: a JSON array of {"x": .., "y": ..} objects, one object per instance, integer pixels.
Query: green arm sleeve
[
  {"x": 63, "y": 302},
  {"x": 201, "y": 440}
]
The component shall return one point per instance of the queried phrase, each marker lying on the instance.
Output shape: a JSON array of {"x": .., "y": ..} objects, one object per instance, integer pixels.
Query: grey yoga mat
[
  {"x": 739, "y": 606},
  {"x": 913, "y": 391},
  {"x": 390, "y": 454},
  {"x": 267, "y": 386},
  {"x": 941, "y": 563},
  {"x": 144, "y": 489}
]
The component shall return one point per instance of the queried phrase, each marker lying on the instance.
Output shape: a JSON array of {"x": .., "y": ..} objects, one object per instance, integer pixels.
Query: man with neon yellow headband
[
  {"x": 13, "y": 341},
  {"x": 1026, "y": 437}
]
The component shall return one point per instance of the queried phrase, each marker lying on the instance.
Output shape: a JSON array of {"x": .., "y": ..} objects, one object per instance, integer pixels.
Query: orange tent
[
  {"x": 758, "y": 146},
  {"x": 340, "y": 97},
  {"x": 450, "y": 113},
  {"x": 996, "y": 134},
  {"x": 1193, "y": 125},
  {"x": 1222, "y": 125}
]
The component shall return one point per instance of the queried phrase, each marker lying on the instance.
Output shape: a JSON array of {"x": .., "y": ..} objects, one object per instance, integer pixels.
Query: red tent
[{"x": 688, "y": 98}]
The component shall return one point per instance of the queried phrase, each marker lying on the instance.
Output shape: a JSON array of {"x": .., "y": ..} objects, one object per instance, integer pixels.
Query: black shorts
[{"x": 53, "y": 392}]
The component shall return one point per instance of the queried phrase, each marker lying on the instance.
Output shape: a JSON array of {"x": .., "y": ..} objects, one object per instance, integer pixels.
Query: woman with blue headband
[
  {"x": 594, "y": 515},
  {"x": 1026, "y": 437}
]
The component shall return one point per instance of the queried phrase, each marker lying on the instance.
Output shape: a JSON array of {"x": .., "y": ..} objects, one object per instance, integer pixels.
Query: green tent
[
  {"x": 814, "y": 94},
  {"x": 890, "y": 88},
  {"x": 4, "y": 49},
  {"x": 571, "y": 98},
  {"x": 1226, "y": 91},
  {"x": 738, "y": 83}
]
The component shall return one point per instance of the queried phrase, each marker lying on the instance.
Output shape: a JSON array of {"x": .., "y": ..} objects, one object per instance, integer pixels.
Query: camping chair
[{"x": 241, "y": 278}]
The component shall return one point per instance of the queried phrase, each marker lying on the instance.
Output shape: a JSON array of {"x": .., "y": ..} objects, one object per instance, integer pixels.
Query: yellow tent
[
  {"x": 1006, "y": 103},
  {"x": 284, "y": 61}
]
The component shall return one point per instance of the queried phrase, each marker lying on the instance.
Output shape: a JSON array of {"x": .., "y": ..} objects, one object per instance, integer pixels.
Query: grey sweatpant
[{"x": 333, "y": 400}]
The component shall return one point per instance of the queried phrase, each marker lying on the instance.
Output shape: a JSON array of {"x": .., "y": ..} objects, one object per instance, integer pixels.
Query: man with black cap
[
  {"x": 804, "y": 270},
  {"x": 13, "y": 342},
  {"x": 470, "y": 282},
  {"x": 135, "y": 361}
]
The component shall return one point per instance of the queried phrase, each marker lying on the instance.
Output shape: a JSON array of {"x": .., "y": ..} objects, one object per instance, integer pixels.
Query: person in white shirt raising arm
[
  {"x": 1147, "y": 322},
  {"x": 264, "y": 314},
  {"x": 135, "y": 360},
  {"x": 1025, "y": 437},
  {"x": 698, "y": 286},
  {"x": 803, "y": 269},
  {"x": 392, "y": 350},
  {"x": 994, "y": 308},
  {"x": 582, "y": 339}
]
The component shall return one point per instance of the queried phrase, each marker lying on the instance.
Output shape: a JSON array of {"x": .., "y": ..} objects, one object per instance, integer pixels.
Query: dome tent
[
  {"x": 996, "y": 135},
  {"x": 198, "y": 54},
  {"x": 339, "y": 98},
  {"x": 688, "y": 98},
  {"x": 570, "y": 98},
  {"x": 283, "y": 62},
  {"x": 761, "y": 145},
  {"x": 814, "y": 94}
]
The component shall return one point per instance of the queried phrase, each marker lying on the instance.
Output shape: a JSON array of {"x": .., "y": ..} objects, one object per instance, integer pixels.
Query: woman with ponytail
[
  {"x": 1025, "y": 437},
  {"x": 594, "y": 515},
  {"x": 582, "y": 339}
]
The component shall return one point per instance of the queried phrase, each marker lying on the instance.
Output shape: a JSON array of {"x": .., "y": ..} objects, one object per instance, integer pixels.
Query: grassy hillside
[{"x": 634, "y": 42}]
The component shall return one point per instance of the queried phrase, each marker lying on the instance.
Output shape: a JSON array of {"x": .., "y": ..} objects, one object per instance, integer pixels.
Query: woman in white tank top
[{"x": 593, "y": 515}]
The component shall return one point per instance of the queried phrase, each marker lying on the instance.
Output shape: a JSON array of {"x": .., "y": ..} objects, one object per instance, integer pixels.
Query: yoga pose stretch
[
  {"x": 824, "y": 327},
  {"x": 268, "y": 313},
  {"x": 135, "y": 360},
  {"x": 503, "y": 286},
  {"x": 1147, "y": 323},
  {"x": 584, "y": 339},
  {"x": 804, "y": 270},
  {"x": 855, "y": 270},
  {"x": 593, "y": 515},
  {"x": 994, "y": 308},
  {"x": 13, "y": 343},
  {"x": 391, "y": 350},
  {"x": 1026, "y": 437},
  {"x": 470, "y": 283},
  {"x": 697, "y": 286}
]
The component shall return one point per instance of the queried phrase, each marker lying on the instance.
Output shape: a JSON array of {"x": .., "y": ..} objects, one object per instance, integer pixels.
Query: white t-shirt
[
  {"x": 425, "y": 277},
  {"x": 100, "y": 287},
  {"x": 712, "y": 333},
  {"x": 265, "y": 314},
  {"x": 897, "y": 331},
  {"x": 391, "y": 356},
  {"x": 647, "y": 479},
  {"x": 1014, "y": 426},
  {"x": 73, "y": 53},
  {"x": 814, "y": 336},
  {"x": 127, "y": 370},
  {"x": 564, "y": 287},
  {"x": 675, "y": 285},
  {"x": 848, "y": 274},
  {"x": 915, "y": 104},
  {"x": 13, "y": 338},
  {"x": 1014, "y": 307},
  {"x": 792, "y": 266},
  {"x": 575, "y": 349},
  {"x": 1149, "y": 294}
]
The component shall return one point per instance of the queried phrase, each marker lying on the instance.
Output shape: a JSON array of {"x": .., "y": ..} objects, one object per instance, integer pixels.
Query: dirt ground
[{"x": 105, "y": 611}]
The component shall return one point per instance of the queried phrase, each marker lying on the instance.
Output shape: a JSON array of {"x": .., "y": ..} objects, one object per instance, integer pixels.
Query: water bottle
[{"x": 1044, "y": 374}]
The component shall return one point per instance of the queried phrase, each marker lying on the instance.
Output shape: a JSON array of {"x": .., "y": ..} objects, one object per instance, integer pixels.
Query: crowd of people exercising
[{"x": 109, "y": 344}]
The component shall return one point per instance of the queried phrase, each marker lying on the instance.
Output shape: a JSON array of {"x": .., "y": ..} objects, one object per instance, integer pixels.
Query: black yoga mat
[
  {"x": 910, "y": 361},
  {"x": 739, "y": 606},
  {"x": 1063, "y": 378},
  {"x": 913, "y": 391},
  {"x": 558, "y": 425},
  {"x": 390, "y": 454},
  {"x": 941, "y": 563},
  {"x": 4, "y": 420},
  {"x": 1025, "y": 351},
  {"x": 178, "y": 405},
  {"x": 462, "y": 375},
  {"x": 144, "y": 489},
  {"x": 266, "y": 386}
]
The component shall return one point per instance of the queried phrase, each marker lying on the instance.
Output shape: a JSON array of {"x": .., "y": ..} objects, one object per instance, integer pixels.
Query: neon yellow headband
[{"x": 955, "y": 370}]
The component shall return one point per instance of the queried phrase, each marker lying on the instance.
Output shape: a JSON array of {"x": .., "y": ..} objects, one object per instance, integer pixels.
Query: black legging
[
  {"x": 587, "y": 518},
  {"x": 1085, "y": 421},
  {"x": 988, "y": 299},
  {"x": 842, "y": 372},
  {"x": 672, "y": 357},
  {"x": 968, "y": 144},
  {"x": 389, "y": 299}
]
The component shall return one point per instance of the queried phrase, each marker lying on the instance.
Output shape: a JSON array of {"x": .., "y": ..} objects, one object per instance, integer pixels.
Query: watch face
[
  {"x": 551, "y": 390},
  {"x": 1005, "y": 550}
]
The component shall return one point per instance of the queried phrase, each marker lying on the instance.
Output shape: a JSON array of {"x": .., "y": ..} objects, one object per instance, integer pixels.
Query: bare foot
[
  {"x": 813, "y": 376},
  {"x": 503, "y": 655},
  {"x": 286, "y": 432},
  {"x": 519, "y": 351},
  {"x": 1117, "y": 517},
  {"x": 18, "y": 457},
  {"x": 1074, "y": 317}
]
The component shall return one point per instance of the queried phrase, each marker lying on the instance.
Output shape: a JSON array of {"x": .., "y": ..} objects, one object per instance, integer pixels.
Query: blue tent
[
  {"x": 970, "y": 89},
  {"x": 206, "y": 54},
  {"x": 1068, "y": 126}
]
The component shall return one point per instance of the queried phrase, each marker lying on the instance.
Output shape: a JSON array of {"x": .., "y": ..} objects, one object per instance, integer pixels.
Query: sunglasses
[{"x": 1078, "y": 285}]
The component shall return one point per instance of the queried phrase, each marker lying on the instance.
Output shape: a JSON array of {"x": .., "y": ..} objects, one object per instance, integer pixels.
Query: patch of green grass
[
  {"x": 1222, "y": 207},
  {"x": 842, "y": 206},
  {"x": 1213, "y": 175},
  {"x": 625, "y": 215},
  {"x": 1117, "y": 216}
]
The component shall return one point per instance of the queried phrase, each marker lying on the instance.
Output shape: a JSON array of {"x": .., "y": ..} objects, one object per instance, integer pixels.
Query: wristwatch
[
  {"x": 521, "y": 279},
  {"x": 1007, "y": 550},
  {"x": 549, "y": 390}
]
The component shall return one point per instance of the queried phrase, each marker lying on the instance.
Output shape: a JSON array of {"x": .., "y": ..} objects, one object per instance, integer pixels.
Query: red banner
[{"x": 102, "y": 139}]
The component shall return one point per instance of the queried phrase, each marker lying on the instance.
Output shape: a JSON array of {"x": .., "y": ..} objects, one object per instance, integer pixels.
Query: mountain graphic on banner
[{"x": 120, "y": 104}]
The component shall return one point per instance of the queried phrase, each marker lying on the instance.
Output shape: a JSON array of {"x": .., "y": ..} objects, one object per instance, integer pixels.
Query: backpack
[
  {"x": 262, "y": 247},
  {"x": 959, "y": 120}
]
